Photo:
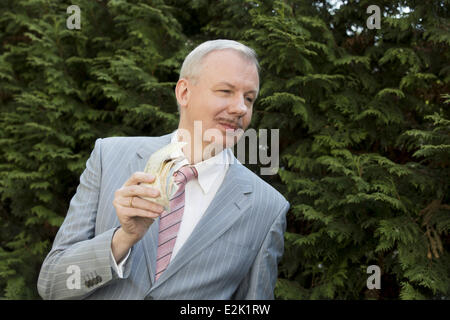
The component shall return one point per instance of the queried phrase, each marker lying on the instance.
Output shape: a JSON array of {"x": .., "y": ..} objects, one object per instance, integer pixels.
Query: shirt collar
[{"x": 210, "y": 169}]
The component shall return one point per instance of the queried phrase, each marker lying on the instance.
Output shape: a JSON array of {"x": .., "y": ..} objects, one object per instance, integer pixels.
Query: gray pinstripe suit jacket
[{"x": 232, "y": 253}]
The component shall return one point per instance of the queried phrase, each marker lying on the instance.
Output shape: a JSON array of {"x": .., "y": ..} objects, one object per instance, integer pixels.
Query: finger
[
  {"x": 135, "y": 212},
  {"x": 138, "y": 191},
  {"x": 139, "y": 177},
  {"x": 142, "y": 204}
]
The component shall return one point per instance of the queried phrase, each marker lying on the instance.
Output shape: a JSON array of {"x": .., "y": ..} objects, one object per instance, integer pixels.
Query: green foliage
[
  {"x": 364, "y": 123},
  {"x": 60, "y": 90},
  {"x": 365, "y": 142}
]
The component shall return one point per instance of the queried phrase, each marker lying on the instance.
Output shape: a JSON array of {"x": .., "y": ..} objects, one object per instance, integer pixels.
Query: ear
[{"x": 182, "y": 92}]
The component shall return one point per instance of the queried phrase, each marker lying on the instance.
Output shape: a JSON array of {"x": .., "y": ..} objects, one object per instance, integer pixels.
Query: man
[{"x": 230, "y": 236}]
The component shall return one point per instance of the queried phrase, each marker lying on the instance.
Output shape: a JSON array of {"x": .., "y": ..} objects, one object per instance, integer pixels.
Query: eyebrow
[{"x": 234, "y": 87}]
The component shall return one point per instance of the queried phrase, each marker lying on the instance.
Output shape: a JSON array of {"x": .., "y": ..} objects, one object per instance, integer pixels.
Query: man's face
[{"x": 223, "y": 93}]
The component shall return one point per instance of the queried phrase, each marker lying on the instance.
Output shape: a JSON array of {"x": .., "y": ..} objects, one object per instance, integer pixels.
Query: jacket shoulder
[
  {"x": 129, "y": 144},
  {"x": 117, "y": 142}
]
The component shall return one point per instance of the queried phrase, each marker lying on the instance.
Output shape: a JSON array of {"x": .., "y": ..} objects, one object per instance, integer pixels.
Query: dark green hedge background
[{"x": 363, "y": 115}]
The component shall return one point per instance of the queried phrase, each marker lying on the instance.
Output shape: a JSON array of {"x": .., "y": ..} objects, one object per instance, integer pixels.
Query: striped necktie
[{"x": 169, "y": 222}]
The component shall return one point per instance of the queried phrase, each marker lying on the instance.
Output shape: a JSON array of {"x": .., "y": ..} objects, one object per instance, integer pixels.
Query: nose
[{"x": 238, "y": 106}]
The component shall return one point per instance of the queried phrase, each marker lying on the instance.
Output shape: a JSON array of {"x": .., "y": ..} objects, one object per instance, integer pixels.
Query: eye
[
  {"x": 249, "y": 99},
  {"x": 225, "y": 91}
]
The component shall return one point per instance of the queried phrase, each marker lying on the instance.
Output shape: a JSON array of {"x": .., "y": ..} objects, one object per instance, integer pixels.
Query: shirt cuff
[{"x": 119, "y": 267}]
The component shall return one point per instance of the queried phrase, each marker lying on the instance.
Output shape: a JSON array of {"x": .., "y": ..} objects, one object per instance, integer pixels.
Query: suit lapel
[
  {"x": 138, "y": 162},
  {"x": 145, "y": 150},
  {"x": 225, "y": 209}
]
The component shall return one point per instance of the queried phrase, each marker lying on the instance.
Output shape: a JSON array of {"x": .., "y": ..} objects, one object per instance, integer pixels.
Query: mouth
[{"x": 228, "y": 125}]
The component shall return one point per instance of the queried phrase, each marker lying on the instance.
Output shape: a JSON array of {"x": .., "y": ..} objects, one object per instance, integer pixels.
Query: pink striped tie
[{"x": 169, "y": 222}]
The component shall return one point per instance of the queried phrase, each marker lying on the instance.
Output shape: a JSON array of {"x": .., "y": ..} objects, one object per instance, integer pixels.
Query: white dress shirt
[{"x": 198, "y": 196}]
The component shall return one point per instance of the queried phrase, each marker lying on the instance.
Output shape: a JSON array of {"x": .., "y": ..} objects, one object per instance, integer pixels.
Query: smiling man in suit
[{"x": 223, "y": 240}]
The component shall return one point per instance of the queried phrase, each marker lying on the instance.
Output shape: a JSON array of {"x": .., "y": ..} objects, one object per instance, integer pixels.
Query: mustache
[{"x": 230, "y": 122}]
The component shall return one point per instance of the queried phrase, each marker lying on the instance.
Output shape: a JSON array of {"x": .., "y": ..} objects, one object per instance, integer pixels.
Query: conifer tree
[
  {"x": 364, "y": 119},
  {"x": 60, "y": 90},
  {"x": 364, "y": 138}
]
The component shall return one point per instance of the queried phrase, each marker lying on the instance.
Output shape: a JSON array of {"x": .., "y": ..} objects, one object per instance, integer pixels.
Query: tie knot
[{"x": 185, "y": 174}]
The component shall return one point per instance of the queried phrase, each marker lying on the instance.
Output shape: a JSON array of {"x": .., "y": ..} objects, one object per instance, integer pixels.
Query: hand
[{"x": 135, "y": 214}]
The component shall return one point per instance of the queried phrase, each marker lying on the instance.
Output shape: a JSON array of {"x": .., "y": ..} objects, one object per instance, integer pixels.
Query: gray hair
[{"x": 192, "y": 62}]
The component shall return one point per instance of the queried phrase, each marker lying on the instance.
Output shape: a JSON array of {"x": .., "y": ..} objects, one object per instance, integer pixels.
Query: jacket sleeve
[
  {"x": 80, "y": 261},
  {"x": 259, "y": 284}
]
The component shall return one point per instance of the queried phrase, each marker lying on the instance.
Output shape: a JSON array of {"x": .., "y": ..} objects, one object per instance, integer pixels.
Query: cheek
[
  {"x": 220, "y": 104},
  {"x": 248, "y": 118},
  {"x": 209, "y": 108},
  {"x": 219, "y": 108},
  {"x": 211, "y": 105}
]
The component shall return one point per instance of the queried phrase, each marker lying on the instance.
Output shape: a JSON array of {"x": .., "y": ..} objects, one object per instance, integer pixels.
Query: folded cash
[{"x": 162, "y": 164}]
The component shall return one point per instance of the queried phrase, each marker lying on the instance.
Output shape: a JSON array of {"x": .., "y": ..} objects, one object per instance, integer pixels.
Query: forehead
[{"x": 229, "y": 66}]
